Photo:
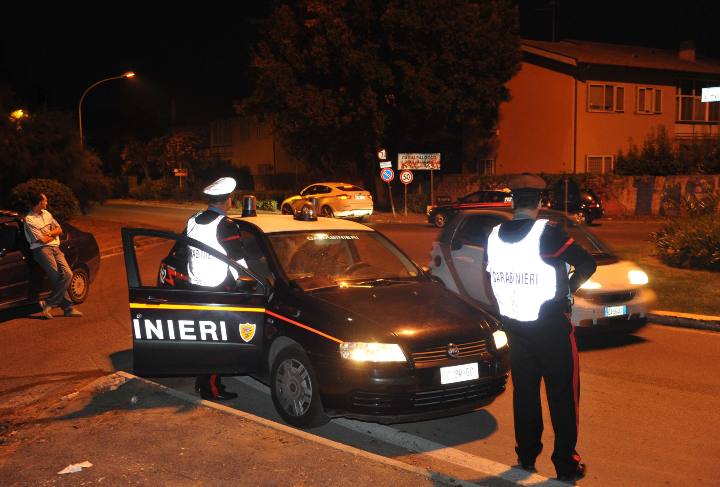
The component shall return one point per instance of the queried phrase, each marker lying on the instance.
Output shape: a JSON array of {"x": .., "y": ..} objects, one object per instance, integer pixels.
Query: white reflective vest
[
  {"x": 520, "y": 279},
  {"x": 203, "y": 268}
]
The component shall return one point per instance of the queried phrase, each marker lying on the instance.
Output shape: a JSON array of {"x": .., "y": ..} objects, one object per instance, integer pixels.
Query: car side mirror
[{"x": 456, "y": 244}]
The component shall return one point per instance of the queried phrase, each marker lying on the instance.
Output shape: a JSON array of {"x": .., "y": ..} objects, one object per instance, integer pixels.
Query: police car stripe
[
  {"x": 303, "y": 326},
  {"x": 195, "y": 306}
]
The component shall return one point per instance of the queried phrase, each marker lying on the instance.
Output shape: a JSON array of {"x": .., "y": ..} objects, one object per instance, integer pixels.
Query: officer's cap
[
  {"x": 220, "y": 187},
  {"x": 527, "y": 182}
]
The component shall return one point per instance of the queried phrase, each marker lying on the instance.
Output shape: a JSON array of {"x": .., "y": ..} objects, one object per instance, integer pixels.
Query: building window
[
  {"x": 649, "y": 100},
  {"x": 220, "y": 133},
  {"x": 689, "y": 106},
  {"x": 600, "y": 164},
  {"x": 606, "y": 98}
]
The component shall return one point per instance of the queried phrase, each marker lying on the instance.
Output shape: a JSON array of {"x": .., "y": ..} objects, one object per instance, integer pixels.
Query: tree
[
  {"x": 339, "y": 78},
  {"x": 45, "y": 145}
]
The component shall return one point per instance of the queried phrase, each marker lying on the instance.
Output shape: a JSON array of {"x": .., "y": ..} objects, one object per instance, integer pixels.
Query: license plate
[
  {"x": 615, "y": 311},
  {"x": 359, "y": 196},
  {"x": 459, "y": 373}
]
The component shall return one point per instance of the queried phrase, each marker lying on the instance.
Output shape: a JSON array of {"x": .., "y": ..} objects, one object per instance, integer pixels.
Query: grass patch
[{"x": 679, "y": 290}]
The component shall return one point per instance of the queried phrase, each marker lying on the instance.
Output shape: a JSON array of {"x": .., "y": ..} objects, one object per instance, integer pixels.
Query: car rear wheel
[
  {"x": 440, "y": 220},
  {"x": 580, "y": 217},
  {"x": 326, "y": 211},
  {"x": 79, "y": 286},
  {"x": 286, "y": 210},
  {"x": 295, "y": 390}
]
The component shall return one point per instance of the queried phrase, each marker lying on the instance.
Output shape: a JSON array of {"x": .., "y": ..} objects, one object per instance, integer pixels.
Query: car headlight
[
  {"x": 372, "y": 352},
  {"x": 636, "y": 276},
  {"x": 500, "y": 339},
  {"x": 590, "y": 284}
]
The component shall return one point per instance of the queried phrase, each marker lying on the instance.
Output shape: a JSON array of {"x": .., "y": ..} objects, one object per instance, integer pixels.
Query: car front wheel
[
  {"x": 440, "y": 220},
  {"x": 294, "y": 389},
  {"x": 286, "y": 210},
  {"x": 79, "y": 286}
]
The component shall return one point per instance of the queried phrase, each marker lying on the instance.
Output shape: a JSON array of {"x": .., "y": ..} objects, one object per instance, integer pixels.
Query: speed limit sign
[{"x": 406, "y": 176}]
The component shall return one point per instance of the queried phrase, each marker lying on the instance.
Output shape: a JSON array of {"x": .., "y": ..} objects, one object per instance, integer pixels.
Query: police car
[
  {"x": 333, "y": 316},
  {"x": 616, "y": 297}
]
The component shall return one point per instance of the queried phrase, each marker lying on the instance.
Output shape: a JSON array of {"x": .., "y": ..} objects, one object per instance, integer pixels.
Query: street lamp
[{"x": 129, "y": 74}]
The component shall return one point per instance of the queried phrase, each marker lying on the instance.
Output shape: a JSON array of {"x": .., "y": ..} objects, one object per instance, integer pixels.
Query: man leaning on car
[{"x": 43, "y": 234}]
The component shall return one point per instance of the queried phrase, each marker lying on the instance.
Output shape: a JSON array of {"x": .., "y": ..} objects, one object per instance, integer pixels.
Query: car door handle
[{"x": 150, "y": 299}]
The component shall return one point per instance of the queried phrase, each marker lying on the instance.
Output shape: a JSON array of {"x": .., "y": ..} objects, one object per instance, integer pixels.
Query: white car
[
  {"x": 615, "y": 297},
  {"x": 339, "y": 200}
]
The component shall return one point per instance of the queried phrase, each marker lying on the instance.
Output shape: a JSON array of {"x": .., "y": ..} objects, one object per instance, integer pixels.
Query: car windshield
[
  {"x": 341, "y": 258},
  {"x": 580, "y": 235}
]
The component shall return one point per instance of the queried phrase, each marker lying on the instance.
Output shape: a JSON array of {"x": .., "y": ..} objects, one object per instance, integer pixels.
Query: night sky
[{"x": 195, "y": 60}]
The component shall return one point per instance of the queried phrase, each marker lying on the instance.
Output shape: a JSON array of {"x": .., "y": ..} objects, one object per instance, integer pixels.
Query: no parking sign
[{"x": 387, "y": 174}]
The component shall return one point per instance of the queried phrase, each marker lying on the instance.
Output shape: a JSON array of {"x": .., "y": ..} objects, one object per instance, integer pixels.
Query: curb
[
  {"x": 685, "y": 320},
  {"x": 436, "y": 477}
]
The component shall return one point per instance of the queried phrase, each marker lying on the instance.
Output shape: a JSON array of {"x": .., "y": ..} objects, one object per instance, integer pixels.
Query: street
[{"x": 650, "y": 402}]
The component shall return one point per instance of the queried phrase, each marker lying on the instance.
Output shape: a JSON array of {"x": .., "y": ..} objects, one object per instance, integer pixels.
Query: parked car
[
  {"x": 339, "y": 200},
  {"x": 615, "y": 297},
  {"x": 440, "y": 214},
  {"x": 583, "y": 204},
  {"x": 330, "y": 313},
  {"x": 22, "y": 280}
]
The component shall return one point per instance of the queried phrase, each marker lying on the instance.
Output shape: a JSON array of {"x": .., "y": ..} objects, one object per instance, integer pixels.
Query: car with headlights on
[
  {"x": 331, "y": 314},
  {"x": 336, "y": 200},
  {"x": 616, "y": 297},
  {"x": 440, "y": 214},
  {"x": 22, "y": 280}
]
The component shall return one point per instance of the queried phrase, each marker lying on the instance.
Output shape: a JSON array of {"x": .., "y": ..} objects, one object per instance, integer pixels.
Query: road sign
[
  {"x": 406, "y": 177},
  {"x": 710, "y": 94},
  {"x": 387, "y": 174},
  {"x": 382, "y": 154},
  {"x": 384, "y": 164}
]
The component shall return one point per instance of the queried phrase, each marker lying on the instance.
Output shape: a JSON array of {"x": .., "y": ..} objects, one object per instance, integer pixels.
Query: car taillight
[{"x": 343, "y": 197}]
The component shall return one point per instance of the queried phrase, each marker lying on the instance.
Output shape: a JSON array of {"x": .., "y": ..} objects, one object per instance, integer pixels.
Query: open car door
[{"x": 179, "y": 329}]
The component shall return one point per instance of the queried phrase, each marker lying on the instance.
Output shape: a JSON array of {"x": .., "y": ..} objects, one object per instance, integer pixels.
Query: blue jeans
[{"x": 53, "y": 262}]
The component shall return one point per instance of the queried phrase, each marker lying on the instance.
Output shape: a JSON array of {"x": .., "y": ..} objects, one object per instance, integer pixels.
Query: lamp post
[{"x": 129, "y": 74}]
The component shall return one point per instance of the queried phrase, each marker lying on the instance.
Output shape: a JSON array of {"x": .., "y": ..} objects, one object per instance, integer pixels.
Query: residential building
[
  {"x": 244, "y": 141},
  {"x": 574, "y": 105}
]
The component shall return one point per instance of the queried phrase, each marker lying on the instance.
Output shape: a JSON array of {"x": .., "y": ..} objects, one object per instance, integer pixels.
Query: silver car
[{"x": 616, "y": 296}]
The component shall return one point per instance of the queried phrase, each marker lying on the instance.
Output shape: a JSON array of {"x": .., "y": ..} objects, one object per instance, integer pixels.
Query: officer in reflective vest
[
  {"x": 213, "y": 228},
  {"x": 528, "y": 260}
]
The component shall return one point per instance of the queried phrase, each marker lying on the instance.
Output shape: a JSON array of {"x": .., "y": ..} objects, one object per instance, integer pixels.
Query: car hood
[
  {"x": 417, "y": 315},
  {"x": 614, "y": 276}
]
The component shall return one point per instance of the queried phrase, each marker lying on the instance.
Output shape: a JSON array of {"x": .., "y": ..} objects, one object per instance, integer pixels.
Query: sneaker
[
  {"x": 72, "y": 313},
  {"x": 576, "y": 475},
  {"x": 45, "y": 310}
]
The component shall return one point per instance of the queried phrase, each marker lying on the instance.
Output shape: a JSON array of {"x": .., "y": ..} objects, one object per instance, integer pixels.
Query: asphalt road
[{"x": 650, "y": 407}]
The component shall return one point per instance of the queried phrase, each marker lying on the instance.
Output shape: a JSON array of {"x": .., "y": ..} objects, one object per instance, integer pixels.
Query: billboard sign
[{"x": 419, "y": 161}]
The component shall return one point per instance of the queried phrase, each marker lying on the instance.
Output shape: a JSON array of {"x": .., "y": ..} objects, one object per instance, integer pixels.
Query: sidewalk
[{"x": 127, "y": 430}]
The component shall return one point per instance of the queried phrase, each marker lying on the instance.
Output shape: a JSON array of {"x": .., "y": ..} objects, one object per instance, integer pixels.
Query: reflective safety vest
[
  {"x": 203, "y": 268},
  {"x": 520, "y": 279}
]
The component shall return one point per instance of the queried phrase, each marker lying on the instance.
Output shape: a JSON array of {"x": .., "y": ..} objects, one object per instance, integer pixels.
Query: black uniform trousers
[{"x": 545, "y": 349}]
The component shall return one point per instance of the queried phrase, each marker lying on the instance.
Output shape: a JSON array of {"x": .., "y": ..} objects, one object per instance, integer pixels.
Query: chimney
[{"x": 687, "y": 51}]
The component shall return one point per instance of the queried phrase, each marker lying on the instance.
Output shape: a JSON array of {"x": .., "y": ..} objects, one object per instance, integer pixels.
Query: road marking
[{"x": 422, "y": 446}]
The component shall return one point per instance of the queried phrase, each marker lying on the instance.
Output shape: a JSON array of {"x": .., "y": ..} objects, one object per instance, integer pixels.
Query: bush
[
  {"x": 150, "y": 189},
  {"x": 691, "y": 242},
  {"x": 62, "y": 202}
]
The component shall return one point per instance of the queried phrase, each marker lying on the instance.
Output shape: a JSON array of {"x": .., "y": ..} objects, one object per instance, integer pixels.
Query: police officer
[
  {"x": 213, "y": 228},
  {"x": 528, "y": 262}
]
